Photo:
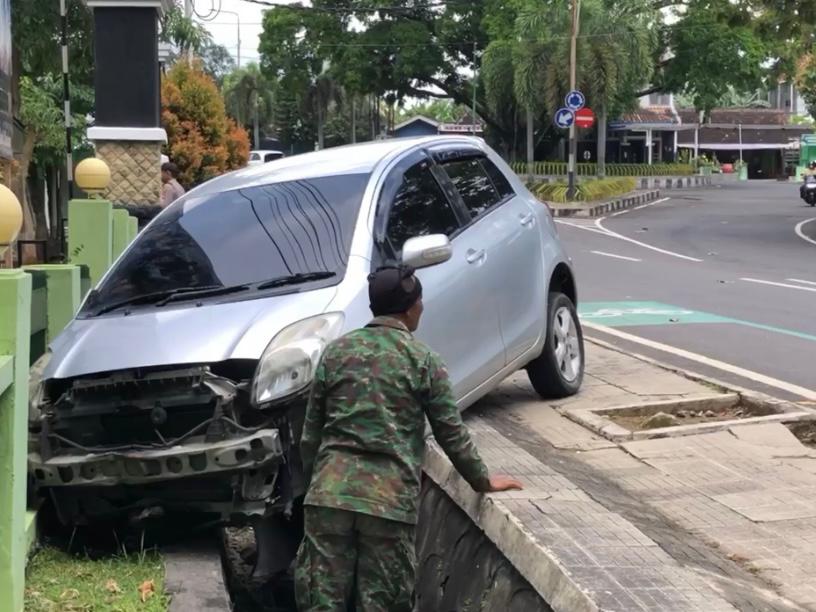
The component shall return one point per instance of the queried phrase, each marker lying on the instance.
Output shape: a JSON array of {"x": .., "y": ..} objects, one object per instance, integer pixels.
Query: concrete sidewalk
[{"x": 717, "y": 521}]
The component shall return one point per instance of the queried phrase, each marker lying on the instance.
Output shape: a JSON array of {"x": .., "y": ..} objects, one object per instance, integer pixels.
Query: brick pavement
[{"x": 720, "y": 521}]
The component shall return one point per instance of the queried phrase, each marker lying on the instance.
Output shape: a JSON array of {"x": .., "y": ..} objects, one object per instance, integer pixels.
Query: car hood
[{"x": 179, "y": 334}]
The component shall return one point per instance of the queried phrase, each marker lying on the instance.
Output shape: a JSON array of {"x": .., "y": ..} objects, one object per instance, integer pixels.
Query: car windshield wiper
[
  {"x": 160, "y": 298},
  {"x": 294, "y": 279}
]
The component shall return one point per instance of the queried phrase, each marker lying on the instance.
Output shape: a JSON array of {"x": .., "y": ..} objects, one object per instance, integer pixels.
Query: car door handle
[
  {"x": 476, "y": 256},
  {"x": 527, "y": 220}
]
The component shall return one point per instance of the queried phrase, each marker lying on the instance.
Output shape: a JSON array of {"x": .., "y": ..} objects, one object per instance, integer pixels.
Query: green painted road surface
[{"x": 637, "y": 314}]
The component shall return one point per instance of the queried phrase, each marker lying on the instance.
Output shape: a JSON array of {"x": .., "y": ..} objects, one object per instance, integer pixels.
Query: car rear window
[{"x": 242, "y": 236}]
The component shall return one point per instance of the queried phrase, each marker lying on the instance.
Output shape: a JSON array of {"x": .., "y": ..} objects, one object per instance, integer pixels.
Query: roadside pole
[{"x": 573, "y": 141}]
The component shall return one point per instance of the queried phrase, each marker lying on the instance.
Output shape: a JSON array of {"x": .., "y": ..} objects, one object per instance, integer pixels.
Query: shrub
[
  {"x": 586, "y": 191},
  {"x": 612, "y": 170},
  {"x": 201, "y": 140}
]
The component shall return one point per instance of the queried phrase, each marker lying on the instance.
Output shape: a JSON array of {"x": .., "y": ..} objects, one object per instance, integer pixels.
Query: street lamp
[
  {"x": 11, "y": 218},
  {"x": 93, "y": 176},
  {"x": 238, "y": 20}
]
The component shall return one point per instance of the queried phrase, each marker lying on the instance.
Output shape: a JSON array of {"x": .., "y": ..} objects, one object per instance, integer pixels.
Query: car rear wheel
[{"x": 559, "y": 370}]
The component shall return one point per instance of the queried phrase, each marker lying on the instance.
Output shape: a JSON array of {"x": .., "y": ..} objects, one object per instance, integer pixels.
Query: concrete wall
[{"x": 460, "y": 568}]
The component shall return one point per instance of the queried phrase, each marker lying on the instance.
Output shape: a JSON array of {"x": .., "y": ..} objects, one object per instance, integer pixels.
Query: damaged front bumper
[{"x": 191, "y": 459}]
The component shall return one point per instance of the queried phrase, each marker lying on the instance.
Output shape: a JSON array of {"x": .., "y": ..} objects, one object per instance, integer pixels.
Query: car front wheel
[{"x": 559, "y": 370}]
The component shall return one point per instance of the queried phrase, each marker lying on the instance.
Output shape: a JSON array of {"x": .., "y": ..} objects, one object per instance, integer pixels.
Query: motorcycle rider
[{"x": 808, "y": 176}]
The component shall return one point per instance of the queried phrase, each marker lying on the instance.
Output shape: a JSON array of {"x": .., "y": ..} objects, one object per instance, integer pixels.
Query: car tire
[{"x": 559, "y": 370}]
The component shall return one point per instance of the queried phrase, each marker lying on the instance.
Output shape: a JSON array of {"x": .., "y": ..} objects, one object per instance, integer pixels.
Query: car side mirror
[{"x": 426, "y": 251}]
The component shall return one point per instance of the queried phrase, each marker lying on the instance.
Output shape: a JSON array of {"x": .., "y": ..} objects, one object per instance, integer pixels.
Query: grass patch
[
  {"x": 590, "y": 190},
  {"x": 59, "y": 582}
]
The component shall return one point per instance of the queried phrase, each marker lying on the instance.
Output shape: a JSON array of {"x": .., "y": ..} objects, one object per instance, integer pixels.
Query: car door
[
  {"x": 507, "y": 227},
  {"x": 460, "y": 321}
]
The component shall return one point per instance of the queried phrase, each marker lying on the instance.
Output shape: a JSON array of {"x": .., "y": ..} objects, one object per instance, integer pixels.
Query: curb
[
  {"x": 194, "y": 577},
  {"x": 604, "y": 208},
  {"x": 530, "y": 558}
]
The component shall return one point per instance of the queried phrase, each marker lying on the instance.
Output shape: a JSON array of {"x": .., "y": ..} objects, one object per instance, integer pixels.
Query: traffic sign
[
  {"x": 584, "y": 117},
  {"x": 564, "y": 118},
  {"x": 575, "y": 100}
]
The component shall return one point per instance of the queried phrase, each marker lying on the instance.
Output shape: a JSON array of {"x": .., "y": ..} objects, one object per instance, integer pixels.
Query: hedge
[
  {"x": 586, "y": 191},
  {"x": 560, "y": 169}
]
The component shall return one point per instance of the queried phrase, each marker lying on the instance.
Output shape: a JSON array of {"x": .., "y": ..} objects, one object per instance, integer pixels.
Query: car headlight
[{"x": 288, "y": 364}]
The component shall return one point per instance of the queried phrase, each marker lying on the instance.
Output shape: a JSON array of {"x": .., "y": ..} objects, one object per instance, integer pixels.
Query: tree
[
  {"x": 444, "y": 111},
  {"x": 217, "y": 62},
  {"x": 185, "y": 33},
  {"x": 202, "y": 140},
  {"x": 716, "y": 46},
  {"x": 806, "y": 81},
  {"x": 37, "y": 93},
  {"x": 248, "y": 98}
]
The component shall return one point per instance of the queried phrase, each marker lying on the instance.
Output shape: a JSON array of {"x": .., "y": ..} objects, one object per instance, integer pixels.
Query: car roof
[
  {"x": 264, "y": 151},
  {"x": 349, "y": 159}
]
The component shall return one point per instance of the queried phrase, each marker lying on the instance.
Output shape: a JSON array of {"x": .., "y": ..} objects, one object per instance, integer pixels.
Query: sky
[{"x": 223, "y": 24}]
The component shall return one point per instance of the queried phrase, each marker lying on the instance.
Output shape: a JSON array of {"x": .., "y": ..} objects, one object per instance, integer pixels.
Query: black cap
[{"x": 393, "y": 290}]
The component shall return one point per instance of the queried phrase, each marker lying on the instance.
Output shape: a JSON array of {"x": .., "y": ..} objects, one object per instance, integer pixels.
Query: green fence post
[
  {"x": 133, "y": 228},
  {"x": 90, "y": 241},
  {"x": 64, "y": 295},
  {"x": 15, "y": 314},
  {"x": 119, "y": 230}
]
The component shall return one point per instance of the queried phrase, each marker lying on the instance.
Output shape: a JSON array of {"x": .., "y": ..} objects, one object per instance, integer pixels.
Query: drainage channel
[{"x": 458, "y": 568}]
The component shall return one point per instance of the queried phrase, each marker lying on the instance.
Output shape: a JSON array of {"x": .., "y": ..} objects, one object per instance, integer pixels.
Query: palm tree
[
  {"x": 186, "y": 34},
  {"x": 249, "y": 98},
  {"x": 324, "y": 92},
  {"x": 614, "y": 52}
]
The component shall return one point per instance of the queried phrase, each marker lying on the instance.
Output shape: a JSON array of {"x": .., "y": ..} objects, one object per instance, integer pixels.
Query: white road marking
[
  {"x": 615, "y": 256},
  {"x": 608, "y": 232},
  {"x": 623, "y": 212},
  {"x": 582, "y": 227},
  {"x": 801, "y": 234},
  {"x": 775, "y": 284},
  {"x": 799, "y": 280},
  {"x": 809, "y": 394}
]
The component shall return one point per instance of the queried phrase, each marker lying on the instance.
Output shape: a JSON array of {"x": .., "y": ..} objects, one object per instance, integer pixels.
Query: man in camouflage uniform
[{"x": 362, "y": 448}]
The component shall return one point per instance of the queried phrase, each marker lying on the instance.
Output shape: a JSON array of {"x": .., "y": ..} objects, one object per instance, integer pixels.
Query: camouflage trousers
[{"x": 353, "y": 561}]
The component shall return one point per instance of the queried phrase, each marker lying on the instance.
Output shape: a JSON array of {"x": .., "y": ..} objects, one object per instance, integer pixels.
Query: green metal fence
[{"x": 546, "y": 168}]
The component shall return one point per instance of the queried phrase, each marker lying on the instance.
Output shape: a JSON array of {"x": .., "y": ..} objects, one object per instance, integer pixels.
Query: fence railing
[
  {"x": 546, "y": 168},
  {"x": 36, "y": 303}
]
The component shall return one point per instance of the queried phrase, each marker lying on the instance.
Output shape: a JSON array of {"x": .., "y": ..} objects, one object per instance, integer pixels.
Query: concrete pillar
[
  {"x": 133, "y": 228},
  {"x": 15, "y": 329},
  {"x": 90, "y": 236},
  {"x": 64, "y": 295},
  {"x": 120, "y": 232},
  {"x": 127, "y": 133}
]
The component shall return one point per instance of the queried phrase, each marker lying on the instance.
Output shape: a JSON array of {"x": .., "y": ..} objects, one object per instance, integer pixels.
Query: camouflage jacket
[{"x": 364, "y": 434}]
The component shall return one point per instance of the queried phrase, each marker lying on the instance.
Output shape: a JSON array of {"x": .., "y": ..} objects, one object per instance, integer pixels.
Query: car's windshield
[{"x": 300, "y": 230}]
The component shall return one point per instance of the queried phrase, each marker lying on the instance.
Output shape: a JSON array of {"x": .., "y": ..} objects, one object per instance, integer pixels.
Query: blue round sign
[
  {"x": 575, "y": 100},
  {"x": 564, "y": 118}
]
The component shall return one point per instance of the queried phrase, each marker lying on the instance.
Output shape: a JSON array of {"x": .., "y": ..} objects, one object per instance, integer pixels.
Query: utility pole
[
  {"x": 238, "y": 22},
  {"x": 473, "y": 110},
  {"x": 573, "y": 142},
  {"x": 188, "y": 13}
]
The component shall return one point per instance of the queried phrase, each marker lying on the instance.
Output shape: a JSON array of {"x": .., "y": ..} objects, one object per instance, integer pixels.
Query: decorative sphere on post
[
  {"x": 92, "y": 176},
  {"x": 11, "y": 218}
]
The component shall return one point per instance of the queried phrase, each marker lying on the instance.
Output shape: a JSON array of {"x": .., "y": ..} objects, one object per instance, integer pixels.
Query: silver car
[{"x": 180, "y": 385}]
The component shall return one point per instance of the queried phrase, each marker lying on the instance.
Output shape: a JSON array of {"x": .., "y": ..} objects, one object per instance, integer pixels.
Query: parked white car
[{"x": 263, "y": 156}]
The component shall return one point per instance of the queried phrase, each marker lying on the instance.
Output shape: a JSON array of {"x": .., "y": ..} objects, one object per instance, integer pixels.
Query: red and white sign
[{"x": 584, "y": 118}]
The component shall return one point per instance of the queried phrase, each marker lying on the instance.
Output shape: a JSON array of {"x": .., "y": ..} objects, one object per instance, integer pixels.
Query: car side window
[
  {"x": 419, "y": 208},
  {"x": 254, "y": 157},
  {"x": 500, "y": 181},
  {"x": 473, "y": 184}
]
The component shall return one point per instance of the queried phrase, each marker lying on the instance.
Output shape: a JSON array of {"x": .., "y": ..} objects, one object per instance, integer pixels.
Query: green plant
[
  {"x": 612, "y": 170},
  {"x": 590, "y": 190}
]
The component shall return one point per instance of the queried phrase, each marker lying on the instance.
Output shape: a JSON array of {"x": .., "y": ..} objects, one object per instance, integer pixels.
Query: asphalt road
[{"x": 719, "y": 280}]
